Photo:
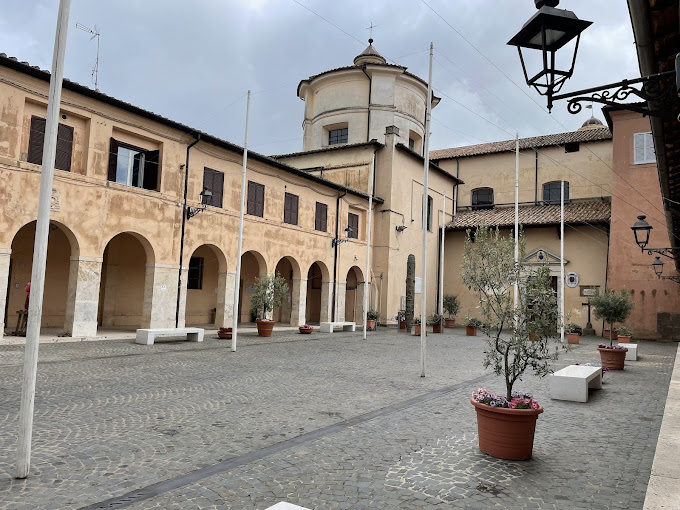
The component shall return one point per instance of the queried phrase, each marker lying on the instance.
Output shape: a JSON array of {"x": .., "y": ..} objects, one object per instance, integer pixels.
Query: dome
[
  {"x": 369, "y": 56},
  {"x": 591, "y": 123}
]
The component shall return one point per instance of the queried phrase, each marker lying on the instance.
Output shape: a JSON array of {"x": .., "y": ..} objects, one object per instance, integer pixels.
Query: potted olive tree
[
  {"x": 574, "y": 332},
  {"x": 472, "y": 324},
  {"x": 436, "y": 321},
  {"x": 507, "y": 423},
  {"x": 269, "y": 293},
  {"x": 613, "y": 307},
  {"x": 371, "y": 317},
  {"x": 451, "y": 306}
]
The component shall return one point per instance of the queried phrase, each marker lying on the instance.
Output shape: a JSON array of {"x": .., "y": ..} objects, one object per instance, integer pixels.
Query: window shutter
[
  {"x": 294, "y": 210},
  {"x": 113, "y": 159},
  {"x": 217, "y": 189},
  {"x": 286, "y": 208},
  {"x": 639, "y": 148},
  {"x": 151, "y": 170},
  {"x": 650, "y": 156},
  {"x": 64, "y": 148},
  {"x": 320, "y": 222},
  {"x": 208, "y": 175},
  {"x": 36, "y": 139},
  {"x": 251, "y": 199},
  {"x": 260, "y": 201}
]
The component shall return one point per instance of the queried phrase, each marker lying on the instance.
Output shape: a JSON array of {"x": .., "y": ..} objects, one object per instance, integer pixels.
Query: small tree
[
  {"x": 269, "y": 293},
  {"x": 612, "y": 307},
  {"x": 451, "y": 304},
  {"x": 488, "y": 261}
]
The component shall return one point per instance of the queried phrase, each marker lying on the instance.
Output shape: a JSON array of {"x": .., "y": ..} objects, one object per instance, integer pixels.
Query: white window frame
[{"x": 643, "y": 148}]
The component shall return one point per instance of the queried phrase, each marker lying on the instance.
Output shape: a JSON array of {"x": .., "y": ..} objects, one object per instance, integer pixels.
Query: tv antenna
[{"x": 95, "y": 69}]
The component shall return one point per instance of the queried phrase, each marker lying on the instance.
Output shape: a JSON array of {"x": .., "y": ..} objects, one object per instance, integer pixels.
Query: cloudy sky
[{"x": 194, "y": 61}]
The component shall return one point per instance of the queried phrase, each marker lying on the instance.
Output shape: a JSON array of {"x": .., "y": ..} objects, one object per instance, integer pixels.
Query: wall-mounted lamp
[
  {"x": 400, "y": 228},
  {"x": 193, "y": 211},
  {"x": 335, "y": 242}
]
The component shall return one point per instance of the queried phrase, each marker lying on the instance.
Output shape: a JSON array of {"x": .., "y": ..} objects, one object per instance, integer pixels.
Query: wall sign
[
  {"x": 572, "y": 280},
  {"x": 589, "y": 290}
]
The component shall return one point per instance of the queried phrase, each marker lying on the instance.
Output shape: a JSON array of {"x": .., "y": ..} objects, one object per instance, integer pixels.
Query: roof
[
  {"x": 576, "y": 212},
  {"x": 369, "y": 55},
  {"x": 330, "y": 148},
  {"x": 36, "y": 72},
  {"x": 434, "y": 166},
  {"x": 589, "y": 135}
]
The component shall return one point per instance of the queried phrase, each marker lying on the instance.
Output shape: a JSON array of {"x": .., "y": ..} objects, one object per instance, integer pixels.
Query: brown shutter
[
  {"x": 113, "y": 159},
  {"x": 353, "y": 224},
  {"x": 286, "y": 208},
  {"x": 251, "y": 198},
  {"x": 208, "y": 184},
  {"x": 217, "y": 189},
  {"x": 62, "y": 159},
  {"x": 151, "y": 170},
  {"x": 294, "y": 210},
  {"x": 324, "y": 217},
  {"x": 36, "y": 139},
  {"x": 260, "y": 200}
]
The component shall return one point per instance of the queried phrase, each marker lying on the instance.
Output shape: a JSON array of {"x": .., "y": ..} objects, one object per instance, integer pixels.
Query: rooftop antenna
[{"x": 95, "y": 69}]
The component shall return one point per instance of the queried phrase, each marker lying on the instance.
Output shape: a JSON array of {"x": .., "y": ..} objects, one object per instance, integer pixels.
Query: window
[
  {"x": 643, "y": 151},
  {"x": 551, "y": 193},
  {"x": 290, "y": 209},
  {"x": 133, "y": 166},
  {"x": 429, "y": 213},
  {"x": 411, "y": 144},
  {"x": 213, "y": 181},
  {"x": 255, "y": 199},
  {"x": 336, "y": 136},
  {"x": 482, "y": 198},
  {"x": 36, "y": 140},
  {"x": 353, "y": 226},
  {"x": 572, "y": 147},
  {"x": 321, "y": 217},
  {"x": 195, "y": 274}
]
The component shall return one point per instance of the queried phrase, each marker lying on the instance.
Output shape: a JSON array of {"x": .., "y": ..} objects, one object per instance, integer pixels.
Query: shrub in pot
[
  {"x": 269, "y": 293},
  {"x": 371, "y": 317},
  {"x": 437, "y": 322},
  {"x": 625, "y": 334},
  {"x": 574, "y": 332},
  {"x": 613, "y": 307},
  {"x": 224, "y": 333},
  {"x": 472, "y": 324},
  {"x": 506, "y": 424},
  {"x": 416, "y": 326},
  {"x": 401, "y": 319},
  {"x": 451, "y": 307},
  {"x": 306, "y": 329}
]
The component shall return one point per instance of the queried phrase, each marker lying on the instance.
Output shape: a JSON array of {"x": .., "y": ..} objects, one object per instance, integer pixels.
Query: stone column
[
  {"x": 225, "y": 299},
  {"x": 182, "y": 317},
  {"x": 340, "y": 301},
  {"x": 109, "y": 304},
  {"x": 326, "y": 301},
  {"x": 160, "y": 296},
  {"x": 359, "y": 305},
  {"x": 4, "y": 280},
  {"x": 82, "y": 300},
  {"x": 299, "y": 304}
]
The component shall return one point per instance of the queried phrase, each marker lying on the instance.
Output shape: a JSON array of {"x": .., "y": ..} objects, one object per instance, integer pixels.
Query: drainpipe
[
  {"x": 335, "y": 254},
  {"x": 457, "y": 177},
  {"x": 536, "y": 181},
  {"x": 370, "y": 89},
  {"x": 184, "y": 221}
]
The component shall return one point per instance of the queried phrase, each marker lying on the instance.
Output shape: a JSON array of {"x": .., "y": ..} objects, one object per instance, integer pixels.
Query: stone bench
[
  {"x": 286, "y": 506},
  {"x": 147, "y": 336},
  {"x": 572, "y": 382},
  {"x": 328, "y": 327},
  {"x": 631, "y": 355}
]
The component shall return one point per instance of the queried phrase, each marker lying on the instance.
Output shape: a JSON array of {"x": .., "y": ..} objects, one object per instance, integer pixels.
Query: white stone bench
[
  {"x": 147, "y": 336},
  {"x": 631, "y": 355},
  {"x": 286, "y": 506},
  {"x": 328, "y": 327},
  {"x": 572, "y": 382}
]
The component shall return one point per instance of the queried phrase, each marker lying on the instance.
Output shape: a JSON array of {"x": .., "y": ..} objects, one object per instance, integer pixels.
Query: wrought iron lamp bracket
[
  {"x": 676, "y": 279},
  {"x": 666, "y": 252}
]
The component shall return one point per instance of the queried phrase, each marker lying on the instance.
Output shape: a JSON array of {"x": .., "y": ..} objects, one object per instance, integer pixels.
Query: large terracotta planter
[
  {"x": 306, "y": 331},
  {"x": 449, "y": 323},
  {"x": 506, "y": 433},
  {"x": 573, "y": 338},
  {"x": 624, "y": 339},
  {"x": 416, "y": 329},
  {"x": 437, "y": 328},
  {"x": 402, "y": 325},
  {"x": 606, "y": 334},
  {"x": 226, "y": 335},
  {"x": 470, "y": 331},
  {"x": 370, "y": 325},
  {"x": 264, "y": 328},
  {"x": 613, "y": 359}
]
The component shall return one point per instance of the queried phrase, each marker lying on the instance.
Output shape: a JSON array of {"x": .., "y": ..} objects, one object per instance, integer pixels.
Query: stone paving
[{"x": 321, "y": 422}]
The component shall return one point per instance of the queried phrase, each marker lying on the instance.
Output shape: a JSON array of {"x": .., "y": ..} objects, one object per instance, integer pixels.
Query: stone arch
[
  {"x": 149, "y": 251},
  {"x": 289, "y": 269},
  {"x": 318, "y": 297},
  {"x": 205, "y": 283},
  {"x": 253, "y": 265},
  {"x": 354, "y": 282}
]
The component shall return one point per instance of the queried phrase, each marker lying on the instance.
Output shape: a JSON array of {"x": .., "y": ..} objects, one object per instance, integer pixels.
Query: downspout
[
  {"x": 457, "y": 177},
  {"x": 536, "y": 183},
  {"x": 184, "y": 221},
  {"x": 335, "y": 254},
  {"x": 370, "y": 90}
]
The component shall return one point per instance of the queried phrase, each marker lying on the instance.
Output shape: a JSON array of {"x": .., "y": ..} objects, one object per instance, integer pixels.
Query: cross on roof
[{"x": 370, "y": 30}]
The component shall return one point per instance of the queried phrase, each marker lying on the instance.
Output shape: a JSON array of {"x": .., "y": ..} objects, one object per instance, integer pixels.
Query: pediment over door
[{"x": 541, "y": 256}]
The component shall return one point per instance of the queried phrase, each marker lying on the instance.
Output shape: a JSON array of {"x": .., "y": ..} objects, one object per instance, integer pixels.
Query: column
[
  {"x": 359, "y": 313},
  {"x": 182, "y": 316},
  {"x": 225, "y": 299},
  {"x": 160, "y": 296},
  {"x": 299, "y": 304},
  {"x": 4, "y": 280},
  {"x": 340, "y": 296},
  {"x": 326, "y": 301},
  {"x": 82, "y": 299},
  {"x": 109, "y": 304}
]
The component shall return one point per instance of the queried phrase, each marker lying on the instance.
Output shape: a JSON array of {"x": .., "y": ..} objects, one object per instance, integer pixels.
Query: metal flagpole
[
  {"x": 237, "y": 279},
  {"x": 516, "y": 289},
  {"x": 368, "y": 243},
  {"x": 423, "y": 282},
  {"x": 562, "y": 261},
  {"x": 40, "y": 247},
  {"x": 441, "y": 262}
]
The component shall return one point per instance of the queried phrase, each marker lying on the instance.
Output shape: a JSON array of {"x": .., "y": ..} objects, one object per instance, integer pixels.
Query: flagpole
[
  {"x": 516, "y": 289},
  {"x": 423, "y": 283},
  {"x": 40, "y": 246},
  {"x": 441, "y": 262},
  {"x": 237, "y": 279},
  {"x": 562, "y": 261},
  {"x": 367, "y": 277}
]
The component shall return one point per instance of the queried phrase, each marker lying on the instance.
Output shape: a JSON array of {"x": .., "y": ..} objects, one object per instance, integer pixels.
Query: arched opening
[
  {"x": 252, "y": 266},
  {"x": 289, "y": 270},
  {"x": 123, "y": 292},
  {"x": 205, "y": 282},
  {"x": 317, "y": 276},
  {"x": 353, "y": 298},
  {"x": 61, "y": 246}
]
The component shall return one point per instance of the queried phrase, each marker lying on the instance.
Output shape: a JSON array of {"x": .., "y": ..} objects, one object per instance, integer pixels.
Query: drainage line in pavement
[{"x": 159, "y": 488}]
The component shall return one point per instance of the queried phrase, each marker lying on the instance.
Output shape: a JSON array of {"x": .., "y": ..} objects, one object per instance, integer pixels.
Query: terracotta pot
[
  {"x": 613, "y": 359},
  {"x": 416, "y": 329},
  {"x": 306, "y": 331},
  {"x": 402, "y": 324},
  {"x": 606, "y": 334},
  {"x": 370, "y": 325},
  {"x": 624, "y": 339},
  {"x": 264, "y": 328},
  {"x": 470, "y": 331},
  {"x": 533, "y": 337},
  {"x": 225, "y": 335},
  {"x": 437, "y": 328},
  {"x": 573, "y": 338},
  {"x": 449, "y": 323},
  {"x": 506, "y": 433}
]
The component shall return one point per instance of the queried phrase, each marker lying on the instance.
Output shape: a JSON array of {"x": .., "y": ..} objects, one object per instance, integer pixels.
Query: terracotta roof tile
[{"x": 575, "y": 212}]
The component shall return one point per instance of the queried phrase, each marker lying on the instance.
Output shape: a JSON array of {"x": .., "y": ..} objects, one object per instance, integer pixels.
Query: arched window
[
  {"x": 551, "y": 193},
  {"x": 482, "y": 198}
]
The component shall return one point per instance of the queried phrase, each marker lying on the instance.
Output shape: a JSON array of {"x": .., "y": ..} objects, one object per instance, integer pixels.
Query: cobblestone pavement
[{"x": 322, "y": 422}]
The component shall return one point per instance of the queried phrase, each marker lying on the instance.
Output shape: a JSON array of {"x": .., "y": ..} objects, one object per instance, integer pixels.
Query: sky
[{"x": 194, "y": 61}]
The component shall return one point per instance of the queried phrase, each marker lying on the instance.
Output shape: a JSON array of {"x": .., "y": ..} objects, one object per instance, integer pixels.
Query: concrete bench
[
  {"x": 631, "y": 355},
  {"x": 147, "y": 336},
  {"x": 572, "y": 382},
  {"x": 328, "y": 327},
  {"x": 286, "y": 506}
]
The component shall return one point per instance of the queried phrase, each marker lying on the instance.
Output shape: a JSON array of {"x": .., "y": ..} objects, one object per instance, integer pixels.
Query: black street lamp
[
  {"x": 658, "y": 266},
  {"x": 551, "y": 29},
  {"x": 641, "y": 230},
  {"x": 193, "y": 211}
]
